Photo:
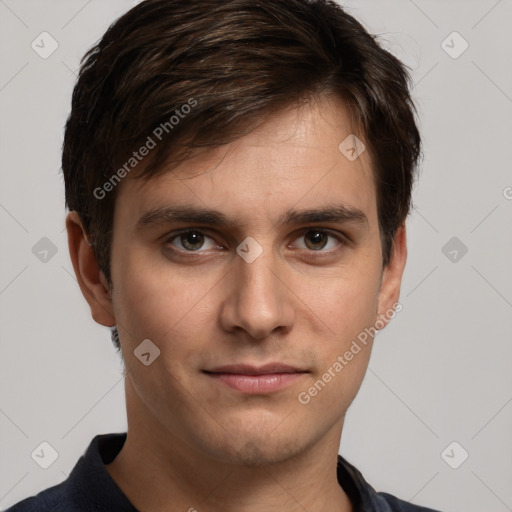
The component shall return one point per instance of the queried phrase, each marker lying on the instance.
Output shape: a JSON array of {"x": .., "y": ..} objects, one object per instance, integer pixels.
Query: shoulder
[
  {"x": 88, "y": 487},
  {"x": 397, "y": 505},
  {"x": 366, "y": 498},
  {"x": 54, "y": 499}
]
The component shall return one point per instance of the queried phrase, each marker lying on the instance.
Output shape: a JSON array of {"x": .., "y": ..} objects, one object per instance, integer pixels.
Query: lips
[
  {"x": 250, "y": 379},
  {"x": 266, "y": 369}
]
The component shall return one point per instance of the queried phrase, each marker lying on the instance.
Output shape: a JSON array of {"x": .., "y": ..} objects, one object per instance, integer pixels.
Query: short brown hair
[{"x": 236, "y": 61}]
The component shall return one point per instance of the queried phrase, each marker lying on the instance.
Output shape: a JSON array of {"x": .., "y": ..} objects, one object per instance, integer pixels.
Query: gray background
[{"x": 439, "y": 373}]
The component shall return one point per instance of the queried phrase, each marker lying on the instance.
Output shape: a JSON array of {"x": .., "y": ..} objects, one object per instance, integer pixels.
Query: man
[{"x": 238, "y": 176}]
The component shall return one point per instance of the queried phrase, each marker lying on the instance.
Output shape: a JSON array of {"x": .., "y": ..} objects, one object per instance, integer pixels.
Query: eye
[
  {"x": 312, "y": 239},
  {"x": 318, "y": 239},
  {"x": 190, "y": 241}
]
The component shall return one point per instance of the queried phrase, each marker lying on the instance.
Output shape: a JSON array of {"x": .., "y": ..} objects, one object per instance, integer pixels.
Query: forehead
[{"x": 300, "y": 156}]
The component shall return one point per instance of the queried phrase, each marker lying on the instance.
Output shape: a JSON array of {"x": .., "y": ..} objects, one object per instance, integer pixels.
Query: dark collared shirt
[{"x": 90, "y": 488}]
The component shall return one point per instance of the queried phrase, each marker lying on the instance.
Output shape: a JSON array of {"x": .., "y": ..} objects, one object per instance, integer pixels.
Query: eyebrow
[{"x": 169, "y": 214}]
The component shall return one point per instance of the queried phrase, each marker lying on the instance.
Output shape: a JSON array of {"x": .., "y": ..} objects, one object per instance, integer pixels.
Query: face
[{"x": 285, "y": 268}]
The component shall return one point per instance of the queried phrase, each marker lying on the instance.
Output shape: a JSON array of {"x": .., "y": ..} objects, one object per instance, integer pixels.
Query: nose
[{"x": 258, "y": 299}]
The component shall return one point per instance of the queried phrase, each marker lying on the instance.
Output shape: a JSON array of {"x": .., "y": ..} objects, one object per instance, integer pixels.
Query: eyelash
[{"x": 342, "y": 239}]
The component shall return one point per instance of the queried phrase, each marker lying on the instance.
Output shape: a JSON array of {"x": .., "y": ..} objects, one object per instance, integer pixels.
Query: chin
[{"x": 257, "y": 450}]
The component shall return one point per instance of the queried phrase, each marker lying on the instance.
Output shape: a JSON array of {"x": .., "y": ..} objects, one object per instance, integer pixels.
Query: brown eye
[
  {"x": 316, "y": 239},
  {"x": 191, "y": 240},
  {"x": 319, "y": 240}
]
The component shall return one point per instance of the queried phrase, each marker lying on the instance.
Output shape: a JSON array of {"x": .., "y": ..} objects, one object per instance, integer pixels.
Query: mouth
[{"x": 256, "y": 380}]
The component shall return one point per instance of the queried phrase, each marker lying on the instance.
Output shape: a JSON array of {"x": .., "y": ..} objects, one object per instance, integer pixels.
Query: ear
[
  {"x": 392, "y": 277},
  {"x": 90, "y": 278}
]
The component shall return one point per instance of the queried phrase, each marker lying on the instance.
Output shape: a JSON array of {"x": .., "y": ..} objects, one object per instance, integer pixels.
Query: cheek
[
  {"x": 176, "y": 308},
  {"x": 158, "y": 301},
  {"x": 348, "y": 309},
  {"x": 345, "y": 300}
]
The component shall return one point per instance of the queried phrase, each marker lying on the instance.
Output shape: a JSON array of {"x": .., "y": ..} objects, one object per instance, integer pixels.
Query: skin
[{"x": 194, "y": 443}]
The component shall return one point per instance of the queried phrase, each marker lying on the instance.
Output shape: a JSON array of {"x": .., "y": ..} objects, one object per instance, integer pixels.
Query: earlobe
[
  {"x": 90, "y": 278},
  {"x": 392, "y": 277}
]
